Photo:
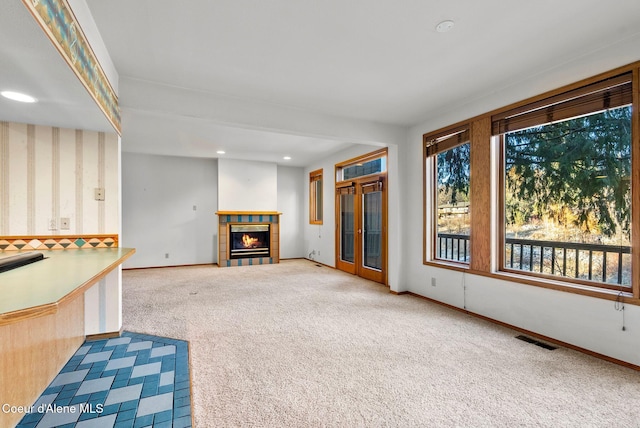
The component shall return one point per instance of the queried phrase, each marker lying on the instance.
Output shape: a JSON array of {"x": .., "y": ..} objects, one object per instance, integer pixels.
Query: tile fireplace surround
[{"x": 228, "y": 218}]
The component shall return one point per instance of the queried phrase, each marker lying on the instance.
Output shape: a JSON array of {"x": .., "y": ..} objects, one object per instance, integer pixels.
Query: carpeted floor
[{"x": 297, "y": 345}]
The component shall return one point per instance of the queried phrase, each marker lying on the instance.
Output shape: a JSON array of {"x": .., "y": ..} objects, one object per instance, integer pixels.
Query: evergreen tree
[
  {"x": 453, "y": 173},
  {"x": 577, "y": 170}
]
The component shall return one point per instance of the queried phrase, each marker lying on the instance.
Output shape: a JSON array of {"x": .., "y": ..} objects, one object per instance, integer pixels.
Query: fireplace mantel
[
  {"x": 228, "y": 218},
  {"x": 248, "y": 213}
]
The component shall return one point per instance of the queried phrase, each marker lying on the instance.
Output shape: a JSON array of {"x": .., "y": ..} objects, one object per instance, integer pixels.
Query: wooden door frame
[
  {"x": 357, "y": 268},
  {"x": 362, "y": 271}
]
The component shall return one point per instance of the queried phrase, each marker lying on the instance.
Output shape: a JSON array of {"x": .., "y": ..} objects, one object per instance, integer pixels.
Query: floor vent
[{"x": 537, "y": 342}]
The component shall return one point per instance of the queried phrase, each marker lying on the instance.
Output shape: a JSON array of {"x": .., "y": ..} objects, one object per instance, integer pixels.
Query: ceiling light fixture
[
  {"x": 220, "y": 152},
  {"x": 17, "y": 96},
  {"x": 444, "y": 26},
  {"x": 287, "y": 158}
]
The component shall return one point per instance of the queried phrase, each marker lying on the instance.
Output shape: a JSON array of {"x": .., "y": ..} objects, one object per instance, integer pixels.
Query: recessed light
[
  {"x": 444, "y": 26},
  {"x": 220, "y": 152},
  {"x": 287, "y": 158},
  {"x": 17, "y": 96}
]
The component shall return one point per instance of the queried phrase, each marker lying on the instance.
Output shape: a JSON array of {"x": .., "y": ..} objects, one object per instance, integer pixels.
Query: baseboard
[
  {"x": 318, "y": 263},
  {"x": 172, "y": 266},
  {"x": 102, "y": 336},
  {"x": 525, "y": 331}
]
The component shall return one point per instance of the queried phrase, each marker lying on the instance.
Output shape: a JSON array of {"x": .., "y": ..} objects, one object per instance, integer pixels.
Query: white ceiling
[
  {"x": 30, "y": 64},
  {"x": 364, "y": 61}
]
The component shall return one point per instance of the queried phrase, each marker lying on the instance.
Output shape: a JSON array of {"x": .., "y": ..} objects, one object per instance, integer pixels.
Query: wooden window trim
[
  {"x": 589, "y": 99},
  {"x": 433, "y": 144},
  {"x": 315, "y": 176},
  {"x": 378, "y": 154}
]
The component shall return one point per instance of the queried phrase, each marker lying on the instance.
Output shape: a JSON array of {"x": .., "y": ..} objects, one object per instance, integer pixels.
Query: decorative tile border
[
  {"x": 249, "y": 218},
  {"x": 61, "y": 26},
  {"x": 57, "y": 242},
  {"x": 250, "y": 262}
]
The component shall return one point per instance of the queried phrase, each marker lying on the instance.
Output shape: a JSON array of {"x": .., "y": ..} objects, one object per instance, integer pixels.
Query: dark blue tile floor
[{"x": 135, "y": 380}]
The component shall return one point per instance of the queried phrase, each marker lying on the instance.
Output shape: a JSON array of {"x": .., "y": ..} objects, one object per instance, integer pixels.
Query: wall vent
[{"x": 537, "y": 342}]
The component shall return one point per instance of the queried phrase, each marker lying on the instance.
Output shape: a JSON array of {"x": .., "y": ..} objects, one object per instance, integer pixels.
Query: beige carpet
[{"x": 296, "y": 345}]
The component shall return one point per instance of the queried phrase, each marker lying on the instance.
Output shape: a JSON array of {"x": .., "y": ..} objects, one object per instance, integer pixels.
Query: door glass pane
[
  {"x": 372, "y": 230},
  {"x": 347, "y": 228}
]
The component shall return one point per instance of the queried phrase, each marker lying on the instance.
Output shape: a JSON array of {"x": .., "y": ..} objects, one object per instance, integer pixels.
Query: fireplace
[{"x": 249, "y": 240}]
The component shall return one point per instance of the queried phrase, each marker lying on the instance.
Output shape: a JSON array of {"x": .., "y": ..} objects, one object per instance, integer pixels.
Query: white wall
[
  {"x": 291, "y": 185},
  {"x": 158, "y": 198},
  {"x": 247, "y": 185}
]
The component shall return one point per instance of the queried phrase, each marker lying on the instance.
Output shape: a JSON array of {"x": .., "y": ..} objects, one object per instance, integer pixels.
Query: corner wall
[
  {"x": 291, "y": 185},
  {"x": 169, "y": 206}
]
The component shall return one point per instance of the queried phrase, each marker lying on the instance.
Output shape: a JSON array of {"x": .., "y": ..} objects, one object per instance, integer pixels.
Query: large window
[
  {"x": 449, "y": 164},
  {"x": 566, "y": 183},
  {"x": 543, "y": 192},
  {"x": 315, "y": 197}
]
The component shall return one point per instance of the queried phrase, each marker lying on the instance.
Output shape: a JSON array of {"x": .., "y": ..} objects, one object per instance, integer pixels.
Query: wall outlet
[
  {"x": 53, "y": 224},
  {"x": 166, "y": 255},
  {"x": 194, "y": 207},
  {"x": 99, "y": 193},
  {"x": 64, "y": 223},
  {"x": 433, "y": 281}
]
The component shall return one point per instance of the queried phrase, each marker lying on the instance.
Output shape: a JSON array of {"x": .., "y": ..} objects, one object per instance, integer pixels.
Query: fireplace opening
[{"x": 249, "y": 240}]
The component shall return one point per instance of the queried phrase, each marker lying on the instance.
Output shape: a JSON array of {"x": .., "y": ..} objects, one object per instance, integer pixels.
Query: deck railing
[
  {"x": 453, "y": 247},
  {"x": 609, "y": 264},
  {"x": 595, "y": 262}
]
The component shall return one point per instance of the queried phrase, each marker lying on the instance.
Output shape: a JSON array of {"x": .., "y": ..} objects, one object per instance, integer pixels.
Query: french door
[{"x": 361, "y": 227}]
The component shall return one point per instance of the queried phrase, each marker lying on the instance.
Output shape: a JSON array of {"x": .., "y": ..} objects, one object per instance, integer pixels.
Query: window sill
[{"x": 462, "y": 267}]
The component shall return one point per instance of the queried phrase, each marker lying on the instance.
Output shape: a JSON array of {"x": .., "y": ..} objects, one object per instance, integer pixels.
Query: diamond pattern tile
[{"x": 135, "y": 380}]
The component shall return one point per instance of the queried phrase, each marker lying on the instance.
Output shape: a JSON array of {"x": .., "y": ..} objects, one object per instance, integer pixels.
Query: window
[
  {"x": 566, "y": 183},
  {"x": 373, "y": 163},
  {"x": 315, "y": 197},
  {"x": 549, "y": 186},
  {"x": 448, "y": 162}
]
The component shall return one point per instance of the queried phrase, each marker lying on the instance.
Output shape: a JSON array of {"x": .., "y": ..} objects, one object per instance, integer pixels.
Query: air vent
[{"x": 537, "y": 342}]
